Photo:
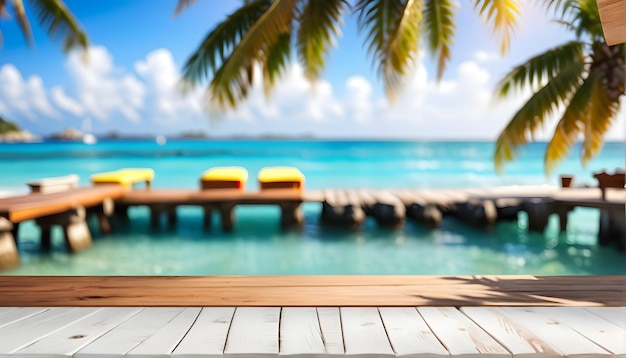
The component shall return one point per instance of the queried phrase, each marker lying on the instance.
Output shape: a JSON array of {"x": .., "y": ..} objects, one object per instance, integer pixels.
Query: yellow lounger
[
  {"x": 127, "y": 177},
  {"x": 281, "y": 178},
  {"x": 224, "y": 178}
]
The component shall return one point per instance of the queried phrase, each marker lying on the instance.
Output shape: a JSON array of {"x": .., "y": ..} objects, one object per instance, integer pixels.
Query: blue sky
[{"x": 138, "y": 49}]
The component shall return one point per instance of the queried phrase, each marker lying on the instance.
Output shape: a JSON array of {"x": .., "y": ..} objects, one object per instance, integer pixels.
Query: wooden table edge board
[{"x": 307, "y": 291}]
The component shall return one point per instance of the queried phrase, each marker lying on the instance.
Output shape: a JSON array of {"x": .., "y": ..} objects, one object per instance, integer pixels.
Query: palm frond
[
  {"x": 602, "y": 112},
  {"x": 440, "y": 28},
  {"x": 182, "y": 5},
  {"x": 529, "y": 118},
  {"x": 59, "y": 21},
  {"x": 393, "y": 33},
  {"x": 586, "y": 18},
  {"x": 538, "y": 69},
  {"x": 216, "y": 46},
  {"x": 570, "y": 125},
  {"x": 277, "y": 61},
  {"x": 560, "y": 6},
  {"x": 22, "y": 19},
  {"x": 319, "y": 26},
  {"x": 232, "y": 81},
  {"x": 3, "y": 10},
  {"x": 502, "y": 15}
]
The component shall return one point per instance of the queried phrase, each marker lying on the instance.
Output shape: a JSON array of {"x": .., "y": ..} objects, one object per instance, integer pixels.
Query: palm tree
[
  {"x": 260, "y": 35},
  {"x": 585, "y": 77},
  {"x": 53, "y": 15}
]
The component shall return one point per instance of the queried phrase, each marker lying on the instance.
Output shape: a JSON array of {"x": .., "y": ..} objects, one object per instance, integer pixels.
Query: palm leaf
[
  {"x": 393, "y": 32},
  {"x": 570, "y": 125},
  {"x": 602, "y": 111},
  {"x": 182, "y": 5},
  {"x": 277, "y": 61},
  {"x": 232, "y": 81},
  {"x": 541, "y": 105},
  {"x": 59, "y": 21},
  {"x": 22, "y": 19},
  {"x": 319, "y": 25},
  {"x": 3, "y": 10},
  {"x": 540, "y": 68},
  {"x": 439, "y": 27},
  {"x": 503, "y": 15},
  {"x": 214, "y": 49}
]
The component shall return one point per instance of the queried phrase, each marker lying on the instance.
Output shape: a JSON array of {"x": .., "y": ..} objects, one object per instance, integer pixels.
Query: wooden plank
[
  {"x": 125, "y": 337},
  {"x": 615, "y": 315},
  {"x": 364, "y": 333},
  {"x": 300, "y": 333},
  {"x": 207, "y": 336},
  {"x": 313, "y": 291},
  {"x": 409, "y": 334},
  {"x": 330, "y": 325},
  {"x": 67, "y": 341},
  {"x": 163, "y": 342},
  {"x": 598, "y": 330},
  {"x": 16, "y": 314},
  {"x": 459, "y": 334},
  {"x": 613, "y": 18},
  {"x": 4, "y": 310},
  {"x": 562, "y": 338},
  {"x": 516, "y": 338},
  {"x": 253, "y": 332},
  {"x": 27, "y": 331}
]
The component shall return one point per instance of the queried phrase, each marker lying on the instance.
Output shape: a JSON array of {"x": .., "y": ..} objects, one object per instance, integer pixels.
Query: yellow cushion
[
  {"x": 225, "y": 174},
  {"x": 280, "y": 174},
  {"x": 128, "y": 176}
]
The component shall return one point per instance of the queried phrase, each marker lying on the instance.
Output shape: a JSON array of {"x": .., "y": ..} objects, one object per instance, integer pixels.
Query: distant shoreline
[{"x": 271, "y": 139}]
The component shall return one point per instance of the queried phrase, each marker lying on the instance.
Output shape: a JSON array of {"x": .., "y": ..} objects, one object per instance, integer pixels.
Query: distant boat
[
  {"x": 161, "y": 140},
  {"x": 88, "y": 138}
]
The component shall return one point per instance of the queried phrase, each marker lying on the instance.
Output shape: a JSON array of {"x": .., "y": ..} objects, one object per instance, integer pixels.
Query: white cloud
[
  {"x": 65, "y": 102},
  {"x": 27, "y": 97},
  {"x": 165, "y": 103},
  {"x": 459, "y": 107},
  {"x": 101, "y": 90},
  {"x": 484, "y": 56}
]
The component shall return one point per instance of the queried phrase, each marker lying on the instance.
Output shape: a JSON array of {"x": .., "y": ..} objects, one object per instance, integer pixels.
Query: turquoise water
[{"x": 257, "y": 246}]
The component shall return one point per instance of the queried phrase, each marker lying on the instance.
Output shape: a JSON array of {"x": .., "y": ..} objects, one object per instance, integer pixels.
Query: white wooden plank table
[
  {"x": 364, "y": 333},
  {"x": 253, "y": 332},
  {"x": 207, "y": 336},
  {"x": 297, "y": 332},
  {"x": 67, "y": 341}
]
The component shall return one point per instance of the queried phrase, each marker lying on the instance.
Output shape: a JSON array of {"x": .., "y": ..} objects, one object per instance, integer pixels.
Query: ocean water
[{"x": 258, "y": 247}]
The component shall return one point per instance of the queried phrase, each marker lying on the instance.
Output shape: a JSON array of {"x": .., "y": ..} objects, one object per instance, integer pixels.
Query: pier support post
[
  {"x": 291, "y": 216},
  {"x": 538, "y": 215},
  {"x": 479, "y": 213},
  {"x": 612, "y": 228},
  {"x": 428, "y": 215},
  {"x": 103, "y": 212},
  {"x": 75, "y": 230},
  {"x": 121, "y": 212},
  {"x": 156, "y": 211},
  {"x": 346, "y": 216},
  {"x": 208, "y": 213},
  {"x": 228, "y": 216},
  {"x": 9, "y": 256},
  {"x": 507, "y": 209},
  {"x": 563, "y": 212}
]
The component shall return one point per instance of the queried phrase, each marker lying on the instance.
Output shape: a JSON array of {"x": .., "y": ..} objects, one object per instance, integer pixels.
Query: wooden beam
[
  {"x": 317, "y": 291},
  {"x": 613, "y": 17}
]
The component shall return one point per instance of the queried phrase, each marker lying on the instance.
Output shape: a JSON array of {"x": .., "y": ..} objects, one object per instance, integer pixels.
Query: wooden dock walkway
[
  {"x": 347, "y": 208},
  {"x": 313, "y": 316}
]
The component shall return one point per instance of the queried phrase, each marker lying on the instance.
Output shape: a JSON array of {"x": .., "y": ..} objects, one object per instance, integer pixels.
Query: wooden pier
[
  {"x": 347, "y": 208},
  {"x": 313, "y": 316},
  {"x": 68, "y": 209}
]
